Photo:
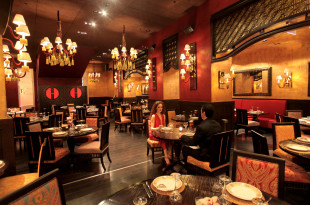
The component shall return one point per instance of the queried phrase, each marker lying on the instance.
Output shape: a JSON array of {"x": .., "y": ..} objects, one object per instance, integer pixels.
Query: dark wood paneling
[{"x": 7, "y": 149}]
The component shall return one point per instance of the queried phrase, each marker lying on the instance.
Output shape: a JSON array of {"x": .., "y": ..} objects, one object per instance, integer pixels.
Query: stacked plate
[
  {"x": 166, "y": 183},
  {"x": 243, "y": 191},
  {"x": 60, "y": 134},
  {"x": 304, "y": 139},
  {"x": 298, "y": 147}
]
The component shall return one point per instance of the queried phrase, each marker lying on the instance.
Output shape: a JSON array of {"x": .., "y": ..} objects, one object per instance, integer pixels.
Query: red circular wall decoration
[
  {"x": 76, "y": 91},
  {"x": 52, "y": 93}
]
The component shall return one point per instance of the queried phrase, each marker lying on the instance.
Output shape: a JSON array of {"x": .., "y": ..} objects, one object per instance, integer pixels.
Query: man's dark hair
[{"x": 208, "y": 109}]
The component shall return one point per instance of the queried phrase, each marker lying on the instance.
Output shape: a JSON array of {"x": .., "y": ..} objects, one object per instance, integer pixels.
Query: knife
[
  {"x": 150, "y": 190},
  {"x": 146, "y": 190}
]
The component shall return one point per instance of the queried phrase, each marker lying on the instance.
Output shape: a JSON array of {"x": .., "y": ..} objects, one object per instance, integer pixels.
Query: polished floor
[{"x": 85, "y": 182}]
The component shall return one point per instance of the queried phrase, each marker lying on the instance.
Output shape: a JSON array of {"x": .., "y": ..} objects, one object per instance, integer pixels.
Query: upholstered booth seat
[
  {"x": 295, "y": 173},
  {"x": 10, "y": 184},
  {"x": 91, "y": 147},
  {"x": 204, "y": 165}
]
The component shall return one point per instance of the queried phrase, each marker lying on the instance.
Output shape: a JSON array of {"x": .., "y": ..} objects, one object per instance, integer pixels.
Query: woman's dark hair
[
  {"x": 154, "y": 107},
  {"x": 208, "y": 109}
]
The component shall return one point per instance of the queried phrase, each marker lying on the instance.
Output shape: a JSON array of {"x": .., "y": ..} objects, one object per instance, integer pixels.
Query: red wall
[
  {"x": 12, "y": 94},
  {"x": 200, "y": 17}
]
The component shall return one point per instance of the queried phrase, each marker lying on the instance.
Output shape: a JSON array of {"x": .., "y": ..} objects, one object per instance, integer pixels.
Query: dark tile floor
[{"x": 85, "y": 182}]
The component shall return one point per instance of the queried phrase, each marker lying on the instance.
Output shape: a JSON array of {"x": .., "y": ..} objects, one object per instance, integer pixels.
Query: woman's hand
[{"x": 160, "y": 126}]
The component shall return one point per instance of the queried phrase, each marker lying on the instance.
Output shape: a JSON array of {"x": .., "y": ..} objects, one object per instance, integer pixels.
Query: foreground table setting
[
  {"x": 193, "y": 190},
  {"x": 299, "y": 147}
]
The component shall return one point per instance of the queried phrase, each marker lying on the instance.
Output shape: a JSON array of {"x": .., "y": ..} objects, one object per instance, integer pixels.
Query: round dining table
[
  {"x": 195, "y": 186},
  {"x": 286, "y": 144}
]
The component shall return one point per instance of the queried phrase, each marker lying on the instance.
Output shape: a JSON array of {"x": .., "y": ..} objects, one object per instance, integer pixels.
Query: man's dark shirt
[{"x": 203, "y": 137}]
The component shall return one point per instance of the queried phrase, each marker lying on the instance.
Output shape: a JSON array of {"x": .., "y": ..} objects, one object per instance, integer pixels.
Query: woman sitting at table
[{"x": 158, "y": 121}]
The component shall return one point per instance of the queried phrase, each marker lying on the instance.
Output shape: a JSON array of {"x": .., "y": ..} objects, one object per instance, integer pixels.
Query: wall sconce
[
  {"x": 224, "y": 80},
  {"x": 147, "y": 67},
  {"x": 285, "y": 80},
  {"x": 188, "y": 60},
  {"x": 115, "y": 79}
]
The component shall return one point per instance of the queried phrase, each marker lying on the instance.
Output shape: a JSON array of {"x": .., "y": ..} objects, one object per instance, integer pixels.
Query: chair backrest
[
  {"x": 92, "y": 106},
  {"x": 136, "y": 116},
  {"x": 38, "y": 190},
  {"x": 41, "y": 158},
  {"x": 282, "y": 131},
  {"x": 104, "y": 137},
  {"x": 34, "y": 141},
  {"x": 117, "y": 115},
  {"x": 30, "y": 109},
  {"x": 81, "y": 113},
  {"x": 71, "y": 108},
  {"x": 34, "y": 126},
  {"x": 278, "y": 117},
  {"x": 53, "y": 120},
  {"x": 62, "y": 113},
  {"x": 20, "y": 125},
  {"x": 264, "y": 172},
  {"x": 260, "y": 144},
  {"x": 170, "y": 114},
  {"x": 54, "y": 108},
  {"x": 294, "y": 113},
  {"x": 242, "y": 117},
  {"x": 92, "y": 122},
  {"x": 296, "y": 125},
  {"x": 220, "y": 148},
  {"x": 31, "y": 114}
]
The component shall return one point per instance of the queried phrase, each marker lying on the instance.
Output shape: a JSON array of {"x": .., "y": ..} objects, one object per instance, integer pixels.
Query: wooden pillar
[{"x": 3, "y": 105}]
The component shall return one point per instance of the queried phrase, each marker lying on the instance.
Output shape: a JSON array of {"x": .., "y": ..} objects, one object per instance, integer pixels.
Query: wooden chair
[
  {"x": 296, "y": 125},
  {"x": 294, "y": 113},
  {"x": 152, "y": 145},
  {"x": 243, "y": 122},
  {"x": 53, "y": 120},
  {"x": 137, "y": 119},
  {"x": 278, "y": 117},
  {"x": 264, "y": 172},
  {"x": 81, "y": 115},
  {"x": 54, "y": 108},
  {"x": 92, "y": 122},
  {"x": 30, "y": 109},
  {"x": 63, "y": 115},
  {"x": 170, "y": 114},
  {"x": 219, "y": 160},
  {"x": 37, "y": 190},
  {"x": 53, "y": 157},
  {"x": 13, "y": 183},
  {"x": 97, "y": 149},
  {"x": 34, "y": 126},
  {"x": 120, "y": 120},
  {"x": 295, "y": 176},
  {"x": 19, "y": 129},
  {"x": 71, "y": 107}
]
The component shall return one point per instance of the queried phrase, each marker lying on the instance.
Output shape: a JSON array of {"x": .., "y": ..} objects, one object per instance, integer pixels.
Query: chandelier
[
  {"x": 11, "y": 70},
  {"x": 124, "y": 61},
  {"x": 59, "y": 54}
]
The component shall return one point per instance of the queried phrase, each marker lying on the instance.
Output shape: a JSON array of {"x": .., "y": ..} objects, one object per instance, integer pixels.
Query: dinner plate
[
  {"x": 166, "y": 128},
  {"x": 87, "y": 129},
  {"x": 303, "y": 139},
  {"x": 298, "y": 147},
  {"x": 166, "y": 183},
  {"x": 80, "y": 125},
  {"x": 243, "y": 191},
  {"x": 51, "y": 129},
  {"x": 61, "y": 133}
]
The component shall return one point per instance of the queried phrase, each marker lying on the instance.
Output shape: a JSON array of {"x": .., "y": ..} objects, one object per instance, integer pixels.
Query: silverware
[
  {"x": 146, "y": 190},
  {"x": 150, "y": 190}
]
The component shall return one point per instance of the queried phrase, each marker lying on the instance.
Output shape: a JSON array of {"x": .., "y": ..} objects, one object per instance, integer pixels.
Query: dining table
[
  {"x": 297, "y": 147},
  {"x": 192, "y": 187},
  {"x": 256, "y": 114},
  {"x": 305, "y": 122}
]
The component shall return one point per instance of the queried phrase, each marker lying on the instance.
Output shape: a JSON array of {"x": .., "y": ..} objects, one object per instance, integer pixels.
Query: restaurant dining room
[{"x": 194, "y": 102}]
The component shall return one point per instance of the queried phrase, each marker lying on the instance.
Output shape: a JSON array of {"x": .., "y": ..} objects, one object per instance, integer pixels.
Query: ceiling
[{"x": 142, "y": 18}]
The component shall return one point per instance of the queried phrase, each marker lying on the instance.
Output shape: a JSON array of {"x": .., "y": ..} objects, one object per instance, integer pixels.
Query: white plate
[
  {"x": 190, "y": 134},
  {"x": 166, "y": 183},
  {"x": 298, "y": 147},
  {"x": 243, "y": 191},
  {"x": 59, "y": 133},
  {"x": 86, "y": 129},
  {"x": 166, "y": 128},
  {"x": 304, "y": 139},
  {"x": 80, "y": 125}
]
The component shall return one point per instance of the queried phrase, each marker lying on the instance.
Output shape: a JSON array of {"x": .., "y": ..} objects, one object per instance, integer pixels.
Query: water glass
[
  {"x": 175, "y": 195},
  {"x": 223, "y": 198},
  {"x": 185, "y": 125},
  {"x": 139, "y": 200}
]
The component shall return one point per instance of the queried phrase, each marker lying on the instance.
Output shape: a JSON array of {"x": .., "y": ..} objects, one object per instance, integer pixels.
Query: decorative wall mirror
[
  {"x": 193, "y": 70},
  {"x": 253, "y": 82}
]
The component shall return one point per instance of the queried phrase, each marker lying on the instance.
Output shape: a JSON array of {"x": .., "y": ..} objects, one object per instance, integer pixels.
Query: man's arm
[{"x": 192, "y": 141}]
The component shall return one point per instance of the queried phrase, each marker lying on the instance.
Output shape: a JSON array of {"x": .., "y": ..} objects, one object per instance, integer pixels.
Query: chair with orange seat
[
  {"x": 13, "y": 183},
  {"x": 294, "y": 113},
  {"x": 19, "y": 129},
  {"x": 120, "y": 120},
  {"x": 34, "y": 126},
  {"x": 137, "y": 119},
  {"x": 244, "y": 122},
  {"x": 92, "y": 122},
  {"x": 152, "y": 145}
]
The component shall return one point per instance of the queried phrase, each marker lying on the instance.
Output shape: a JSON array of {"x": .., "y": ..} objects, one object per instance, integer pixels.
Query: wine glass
[
  {"x": 185, "y": 125},
  {"x": 175, "y": 195},
  {"x": 139, "y": 200},
  {"x": 223, "y": 198},
  {"x": 59, "y": 123}
]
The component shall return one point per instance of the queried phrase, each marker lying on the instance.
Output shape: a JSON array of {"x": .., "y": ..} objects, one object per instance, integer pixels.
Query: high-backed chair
[
  {"x": 220, "y": 154},
  {"x": 92, "y": 122},
  {"x": 81, "y": 115},
  {"x": 137, "y": 119},
  {"x": 63, "y": 115},
  {"x": 120, "y": 120},
  {"x": 31, "y": 114},
  {"x": 19, "y": 129},
  {"x": 296, "y": 124},
  {"x": 170, "y": 114},
  {"x": 97, "y": 149},
  {"x": 294, "y": 113},
  {"x": 260, "y": 144},
  {"x": 30, "y": 109},
  {"x": 264, "y": 172},
  {"x": 34, "y": 126},
  {"x": 278, "y": 117},
  {"x": 37, "y": 190},
  {"x": 53, "y": 120},
  {"x": 243, "y": 122},
  {"x": 13, "y": 183},
  {"x": 152, "y": 145},
  {"x": 54, "y": 108},
  {"x": 53, "y": 157}
]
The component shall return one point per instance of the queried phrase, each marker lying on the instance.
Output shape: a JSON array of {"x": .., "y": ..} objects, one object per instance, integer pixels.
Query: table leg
[{"x": 71, "y": 144}]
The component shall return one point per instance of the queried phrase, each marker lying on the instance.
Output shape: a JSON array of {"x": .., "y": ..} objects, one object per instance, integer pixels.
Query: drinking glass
[
  {"x": 185, "y": 125},
  {"x": 139, "y": 200},
  {"x": 175, "y": 195},
  {"x": 223, "y": 198},
  {"x": 59, "y": 123}
]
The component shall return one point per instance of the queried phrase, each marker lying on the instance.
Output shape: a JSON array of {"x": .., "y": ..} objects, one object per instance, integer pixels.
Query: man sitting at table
[{"x": 203, "y": 135}]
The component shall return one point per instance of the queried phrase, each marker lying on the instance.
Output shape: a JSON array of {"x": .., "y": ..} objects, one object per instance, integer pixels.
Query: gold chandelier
[
  {"x": 59, "y": 54},
  {"x": 11, "y": 70},
  {"x": 124, "y": 61}
]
